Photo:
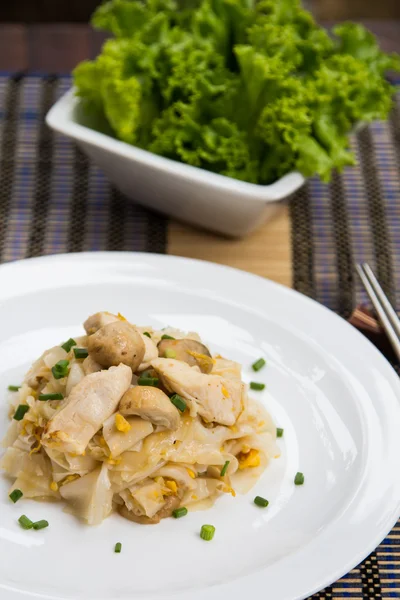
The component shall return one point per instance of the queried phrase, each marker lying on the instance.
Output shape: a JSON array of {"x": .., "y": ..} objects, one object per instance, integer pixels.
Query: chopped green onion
[
  {"x": 40, "y": 524},
  {"x": 68, "y": 345},
  {"x": 225, "y": 468},
  {"x": 207, "y": 532},
  {"x": 153, "y": 381},
  {"x": 15, "y": 495},
  {"x": 257, "y": 386},
  {"x": 178, "y": 402},
  {"x": 60, "y": 369},
  {"x": 259, "y": 364},
  {"x": 180, "y": 512},
  {"x": 169, "y": 353},
  {"x": 299, "y": 479},
  {"x": 20, "y": 412},
  {"x": 279, "y": 432},
  {"x": 25, "y": 522},
  {"x": 81, "y": 352},
  {"x": 260, "y": 501},
  {"x": 13, "y": 388},
  {"x": 118, "y": 547},
  {"x": 146, "y": 333},
  {"x": 167, "y": 337},
  {"x": 55, "y": 396}
]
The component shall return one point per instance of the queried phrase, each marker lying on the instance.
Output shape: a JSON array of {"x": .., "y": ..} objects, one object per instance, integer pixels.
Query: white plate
[{"x": 335, "y": 396}]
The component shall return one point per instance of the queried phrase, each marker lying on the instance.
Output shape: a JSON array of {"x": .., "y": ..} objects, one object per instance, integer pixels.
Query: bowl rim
[{"x": 60, "y": 118}]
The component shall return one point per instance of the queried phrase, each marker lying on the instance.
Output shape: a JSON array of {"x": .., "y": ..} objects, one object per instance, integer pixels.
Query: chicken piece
[
  {"x": 98, "y": 320},
  {"x": 91, "y": 402},
  {"x": 117, "y": 343},
  {"x": 150, "y": 352},
  {"x": 213, "y": 397},
  {"x": 150, "y": 404}
]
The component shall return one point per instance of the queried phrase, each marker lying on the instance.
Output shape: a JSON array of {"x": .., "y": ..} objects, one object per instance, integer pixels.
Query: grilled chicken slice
[
  {"x": 91, "y": 402},
  {"x": 213, "y": 397}
]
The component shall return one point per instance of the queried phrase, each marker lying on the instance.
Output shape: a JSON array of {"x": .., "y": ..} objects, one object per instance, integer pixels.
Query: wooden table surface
[{"x": 59, "y": 47}]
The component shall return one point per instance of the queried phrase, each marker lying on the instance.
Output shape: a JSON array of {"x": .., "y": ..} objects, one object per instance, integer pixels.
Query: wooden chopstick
[{"x": 386, "y": 314}]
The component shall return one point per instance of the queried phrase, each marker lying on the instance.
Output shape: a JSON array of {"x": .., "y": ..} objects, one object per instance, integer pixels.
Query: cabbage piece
[
  {"x": 75, "y": 375},
  {"x": 89, "y": 497}
]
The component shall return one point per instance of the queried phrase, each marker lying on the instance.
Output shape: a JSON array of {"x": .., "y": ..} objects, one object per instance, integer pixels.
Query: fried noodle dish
[{"x": 137, "y": 421}]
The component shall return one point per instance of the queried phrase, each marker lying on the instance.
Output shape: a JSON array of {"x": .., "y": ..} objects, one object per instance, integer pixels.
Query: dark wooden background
[
  {"x": 45, "y": 11},
  {"x": 53, "y": 35}
]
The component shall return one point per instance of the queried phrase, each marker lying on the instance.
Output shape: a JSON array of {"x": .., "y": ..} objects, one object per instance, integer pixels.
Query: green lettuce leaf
[{"x": 250, "y": 89}]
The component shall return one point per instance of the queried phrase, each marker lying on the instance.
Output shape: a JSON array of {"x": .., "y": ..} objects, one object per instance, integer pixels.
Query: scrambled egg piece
[
  {"x": 122, "y": 424},
  {"x": 250, "y": 459}
]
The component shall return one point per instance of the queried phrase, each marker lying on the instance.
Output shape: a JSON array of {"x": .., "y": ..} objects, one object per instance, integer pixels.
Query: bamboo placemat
[{"x": 52, "y": 199}]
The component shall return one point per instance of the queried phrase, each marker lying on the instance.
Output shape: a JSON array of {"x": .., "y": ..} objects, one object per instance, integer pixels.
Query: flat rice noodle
[
  {"x": 75, "y": 375},
  {"x": 206, "y": 489},
  {"x": 119, "y": 442},
  {"x": 13, "y": 460},
  {"x": 35, "y": 477},
  {"x": 149, "y": 497},
  {"x": 178, "y": 473},
  {"x": 89, "y": 497},
  {"x": 11, "y": 434}
]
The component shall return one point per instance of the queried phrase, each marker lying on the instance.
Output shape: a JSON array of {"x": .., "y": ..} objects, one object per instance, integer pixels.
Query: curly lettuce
[{"x": 248, "y": 89}]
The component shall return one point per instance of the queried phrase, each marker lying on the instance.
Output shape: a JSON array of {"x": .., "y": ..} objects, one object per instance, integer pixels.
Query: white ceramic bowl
[{"x": 187, "y": 193}]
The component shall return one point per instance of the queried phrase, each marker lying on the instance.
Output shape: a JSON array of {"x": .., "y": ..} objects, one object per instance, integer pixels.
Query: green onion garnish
[
  {"x": 60, "y": 369},
  {"x": 180, "y": 512},
  {"x": 259, "y": 364},
  {"x": 147, "y": 334},
  {"x": 279, "y": 432},
  {"x": 20, "y": 412},
  {"x": 169, "y": 353},
  {"x": 40, "y": 524},
  {"x": 68, "y": 345},
  {"x": 81, "y": 352},
  {"x": 299, "y": 479},
  {"x": 178, "y": 402},
  {"x": 148, "y": 381},
  {"x": 225, "y": 468},
  {"x": 55, "y": 396},
  {"x": 260, "y": 501},
  {"x": 257, "y": 386},
  {"x": 207, "y": 532},
  {"x": 15, "y": 495},
  {"x": 13, "y": 388},
  {"x": 167, "y": 337},
  {"x": 25, "y": 522},
  {"x": 118, "y": 547}
]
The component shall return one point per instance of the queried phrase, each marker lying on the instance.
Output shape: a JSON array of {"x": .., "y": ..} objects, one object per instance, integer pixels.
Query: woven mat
[
  {"x": 355, "y": 218},
  {"x": 53, "y": 200}
]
